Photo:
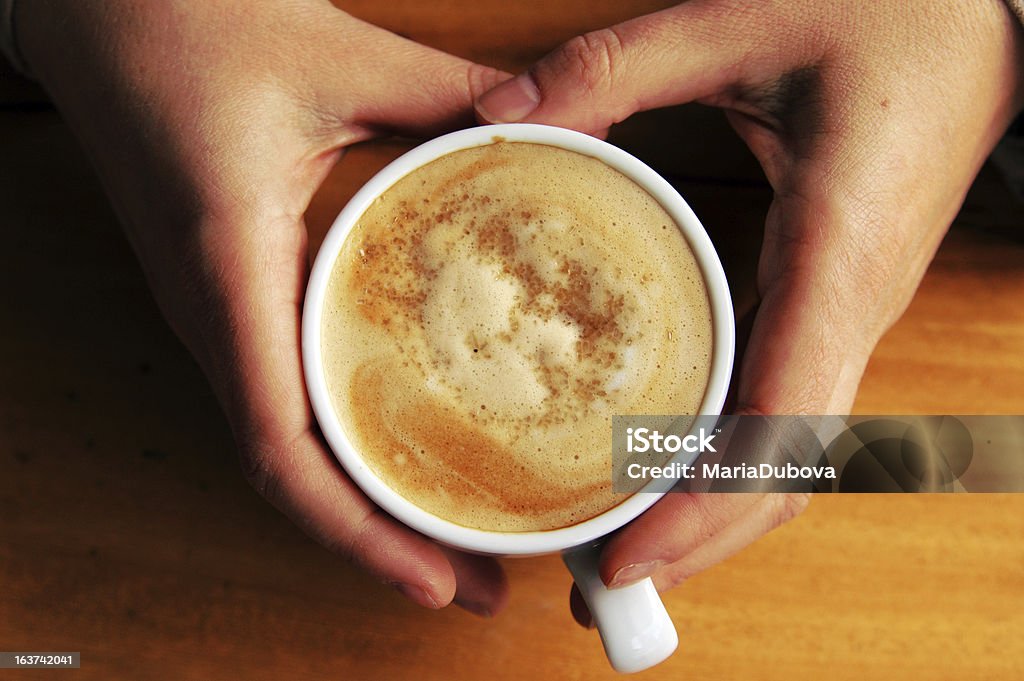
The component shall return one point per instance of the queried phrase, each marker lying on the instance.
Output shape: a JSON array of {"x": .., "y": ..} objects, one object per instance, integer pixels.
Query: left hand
[{"x": 211, "y": 125}]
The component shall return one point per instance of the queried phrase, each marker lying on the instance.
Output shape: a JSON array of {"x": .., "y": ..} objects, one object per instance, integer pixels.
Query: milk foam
[{"x": 487, "y": 316}]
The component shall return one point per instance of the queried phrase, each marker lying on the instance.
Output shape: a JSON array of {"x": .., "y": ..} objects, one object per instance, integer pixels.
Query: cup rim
[{"x": 404, "y": 510}]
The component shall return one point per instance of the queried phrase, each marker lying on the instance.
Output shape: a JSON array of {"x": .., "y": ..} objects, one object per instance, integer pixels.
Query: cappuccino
[{"x": 490, "y": 312}]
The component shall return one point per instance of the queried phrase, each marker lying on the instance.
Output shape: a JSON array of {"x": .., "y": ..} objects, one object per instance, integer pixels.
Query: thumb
[
  {"x": 399, "y": 85},
  {"x": 670, "y": 57}
]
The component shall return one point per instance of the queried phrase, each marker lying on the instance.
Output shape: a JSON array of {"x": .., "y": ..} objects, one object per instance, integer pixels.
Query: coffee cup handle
[{"x": 635, "y": 628}]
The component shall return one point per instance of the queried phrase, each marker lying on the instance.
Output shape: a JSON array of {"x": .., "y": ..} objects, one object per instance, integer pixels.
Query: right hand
[
  {"x": 870, "y": 121},
  {"x": 211, "y": 125}
]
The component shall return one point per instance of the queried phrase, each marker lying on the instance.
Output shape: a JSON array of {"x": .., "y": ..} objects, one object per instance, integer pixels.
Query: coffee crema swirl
[{"x": 490, "y": 312}]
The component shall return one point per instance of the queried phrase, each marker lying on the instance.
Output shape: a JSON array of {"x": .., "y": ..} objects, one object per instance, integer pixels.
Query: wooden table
[{"x": 127, "y": 532}]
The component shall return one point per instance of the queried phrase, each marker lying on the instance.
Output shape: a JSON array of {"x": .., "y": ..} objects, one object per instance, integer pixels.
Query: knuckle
[
  {"x": 260, "y": 473},
  {"x": 265, "y": 465},
  {"x": 269, "y": 467},
  {"x": 705, "y": 520},
  {"x": 851, "y": 249},
  {"x": 671, "y": 576},
  {"x": 785, "y": 507},
  {"x": 354, "y": 545},
  {"x": 480, "y": 78},
  {"x": 596, "y": 58},
  {"x": 866, "y": 269}
]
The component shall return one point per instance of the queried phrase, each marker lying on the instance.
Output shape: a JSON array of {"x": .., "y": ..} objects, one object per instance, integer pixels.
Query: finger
[
  {"x": 764, "y": 515},
  {"x": 249, "y": 319},
  {"x": 862, "y": 199},
  {"x": 303, "y": 481},
  {"x": 828, "y": 292},
  {"x": 668, "y": 531},
  {"x": 847, "y": 240},
  {"x": 677, "y": 55},
  {"x": 400, "y": 85},
  {"x": 768, "y": 513},
  {"x": 578, "y": 608},
  {"x": 744, "y": 323},
  {"x": 482, "y": 585}
]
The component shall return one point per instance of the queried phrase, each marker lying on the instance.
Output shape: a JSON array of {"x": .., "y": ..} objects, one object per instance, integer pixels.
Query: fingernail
[
  {"x": 625, "y": 576},
  {"x": 480, "y": 609},
  {"x": 416, "y": 594},
  {"x": 510, "y": 102}
]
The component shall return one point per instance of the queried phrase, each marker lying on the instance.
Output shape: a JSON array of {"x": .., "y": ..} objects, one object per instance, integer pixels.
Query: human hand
[
  {"x": 211, "y": 126},
  {"x": 870, "y": 121}
]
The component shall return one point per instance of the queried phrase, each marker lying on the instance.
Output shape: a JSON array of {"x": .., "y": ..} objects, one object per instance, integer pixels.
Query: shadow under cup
[{"x": 633, "y": 625}]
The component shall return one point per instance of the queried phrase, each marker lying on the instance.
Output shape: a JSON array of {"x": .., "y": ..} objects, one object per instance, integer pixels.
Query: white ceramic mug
[{"x": 634, "y": 626}]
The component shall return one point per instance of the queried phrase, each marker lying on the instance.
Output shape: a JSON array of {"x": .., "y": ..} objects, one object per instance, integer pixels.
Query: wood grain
[{"x": 127, "y": 533}]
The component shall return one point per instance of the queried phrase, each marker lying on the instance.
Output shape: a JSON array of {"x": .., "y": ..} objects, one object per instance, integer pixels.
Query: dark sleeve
[
  {"x": 1009, "y": 154},
  {"x": 1008, "y": 157}
]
